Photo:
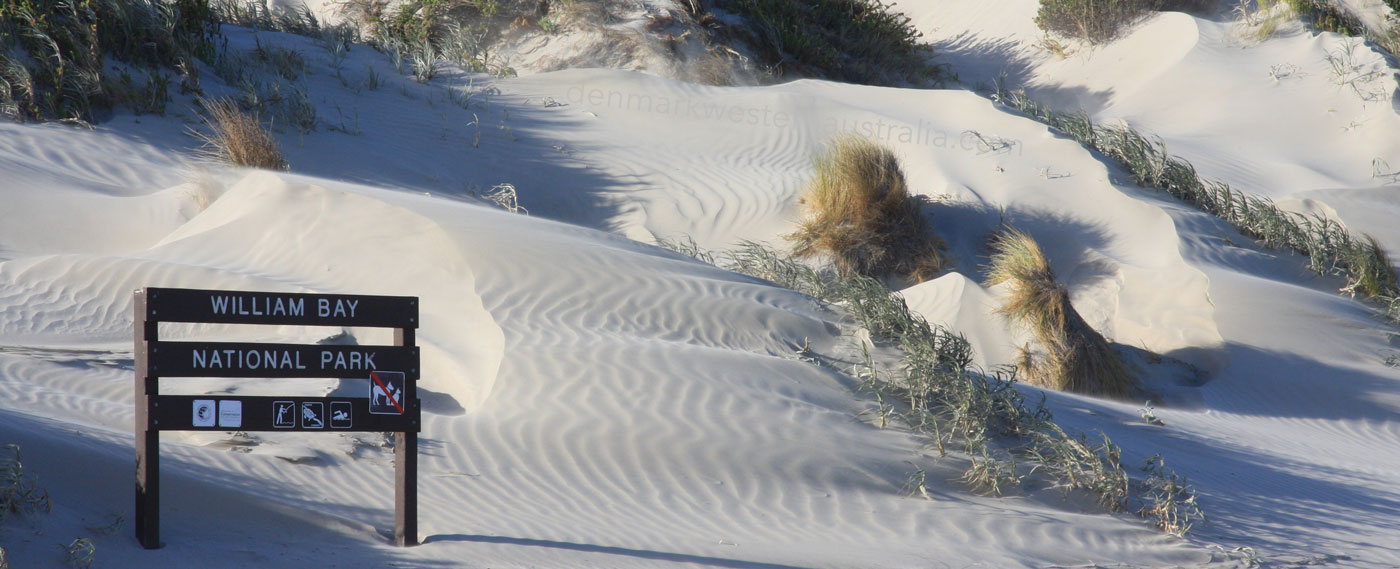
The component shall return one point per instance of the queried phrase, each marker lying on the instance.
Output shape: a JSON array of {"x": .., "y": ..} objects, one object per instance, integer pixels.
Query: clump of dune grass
[
  {"x": 982, "y": 419},
  {"x": 296, "y": 18},
  {"x": 1262, "y": 18},
  {"x": 1330, "y": 248},
  {"x": 80, "y": 553},
  {"x": 1327, "y": 16},
  {"x": 462, "y": 31},
  {"x": 237, "y": 137},
  {"x": 859, "y": 213},
  {"x": 1372, "y": 275},
  {"x": 18, "y": 492},
  {"x": 1076, "y": 357},
  {"x": 1094, "y": 20},
  {"x": 1265, "y": 16},
  {"x": 1169, "y": 500},
  {"x": 266, "y": 79}
]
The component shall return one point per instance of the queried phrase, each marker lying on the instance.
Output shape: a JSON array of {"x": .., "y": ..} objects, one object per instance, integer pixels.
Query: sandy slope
[
  {"x": 648, "y": 409},
  {"x": 593, "y": 401}
]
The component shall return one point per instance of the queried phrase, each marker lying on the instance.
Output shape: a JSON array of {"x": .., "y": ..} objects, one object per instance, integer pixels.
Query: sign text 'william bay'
[
  {"x": 392, "y": 370},
  {"x": 266, "y": 305},
  {"x": 237, "y": 307}
]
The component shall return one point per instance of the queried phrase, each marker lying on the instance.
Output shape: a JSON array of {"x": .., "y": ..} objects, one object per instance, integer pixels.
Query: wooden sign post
[{"x": 391, "y": 403}]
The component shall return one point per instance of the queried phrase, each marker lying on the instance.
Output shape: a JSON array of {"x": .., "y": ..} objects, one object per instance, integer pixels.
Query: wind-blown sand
[{"x": 594, "y": 401}]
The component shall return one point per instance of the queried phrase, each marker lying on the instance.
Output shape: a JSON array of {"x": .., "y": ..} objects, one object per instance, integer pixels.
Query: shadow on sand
[{"x": 608, "y": 550}]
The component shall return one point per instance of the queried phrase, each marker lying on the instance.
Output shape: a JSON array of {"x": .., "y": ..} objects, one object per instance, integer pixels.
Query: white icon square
[
  {"x": 284, "y": 414},
  {"x": 203, "y": 413},
  {"x": 313, "y": 415},
  {"x": 231, "y": 414}
]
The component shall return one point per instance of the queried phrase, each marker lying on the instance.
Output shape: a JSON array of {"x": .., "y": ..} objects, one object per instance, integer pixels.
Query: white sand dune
[
  {"x": 655, "y": 410},
  {"x": 594, "y": 401},
  {"x": 1315, "y": 110}
]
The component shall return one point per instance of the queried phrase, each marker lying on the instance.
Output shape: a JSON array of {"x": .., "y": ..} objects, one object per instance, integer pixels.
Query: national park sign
[{"x": 390, "y": 404}]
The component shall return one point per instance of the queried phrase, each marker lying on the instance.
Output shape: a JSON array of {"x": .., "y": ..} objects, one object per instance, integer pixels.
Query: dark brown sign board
[
  {"x": 293, "y": 309},
  {"x": 391, "y": 404},
  {"x": 273, "y": 414}
]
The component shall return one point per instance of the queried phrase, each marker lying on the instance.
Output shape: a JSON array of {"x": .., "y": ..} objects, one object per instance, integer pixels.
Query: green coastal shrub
[
  {"x": 1102, "y": 20},
  {"x": 859, "y": 41},
  {"x": 52, "y": 51}
]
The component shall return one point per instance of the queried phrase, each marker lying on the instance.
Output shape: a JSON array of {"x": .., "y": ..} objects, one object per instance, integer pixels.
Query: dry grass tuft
[
  {"x": 859, "y": 212},
  {"x": 238, "y": 138},
  {"x": 1077, "y": 358}
]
